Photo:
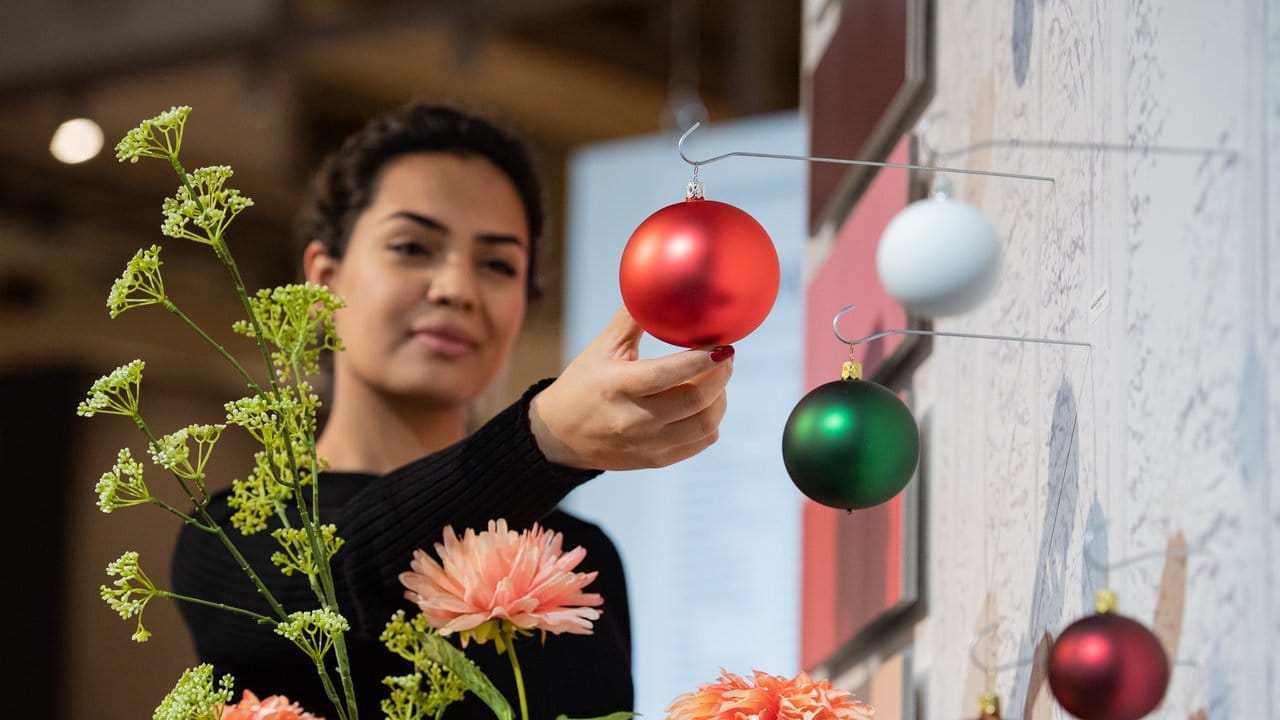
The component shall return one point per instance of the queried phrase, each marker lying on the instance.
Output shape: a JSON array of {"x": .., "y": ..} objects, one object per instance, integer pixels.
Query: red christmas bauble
[
  {"x": 699, "y": 273},
  {"x": 1108, "y": 667}
]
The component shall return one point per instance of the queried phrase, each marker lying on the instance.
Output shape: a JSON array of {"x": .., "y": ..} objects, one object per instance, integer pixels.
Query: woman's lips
[{"x": 446, "y": 342}]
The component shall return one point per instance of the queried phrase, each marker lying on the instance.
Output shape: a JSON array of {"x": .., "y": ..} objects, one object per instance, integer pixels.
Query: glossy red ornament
[
  {"x": 699, "y": 273},
  {"x": 1108, "y": 667}
]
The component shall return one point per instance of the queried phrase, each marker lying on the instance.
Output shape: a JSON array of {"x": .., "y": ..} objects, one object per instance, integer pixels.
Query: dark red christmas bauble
[
  {"x": 699, "y": 273},
  {"x": 1108, "y": 667}
]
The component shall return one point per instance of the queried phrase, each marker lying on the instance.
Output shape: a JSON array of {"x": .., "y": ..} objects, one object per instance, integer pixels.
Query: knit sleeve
[{"x": 496, "y": 472}]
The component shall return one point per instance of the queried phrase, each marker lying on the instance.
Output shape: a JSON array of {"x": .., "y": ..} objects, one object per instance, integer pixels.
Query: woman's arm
[{"x": 496, "y": 472}]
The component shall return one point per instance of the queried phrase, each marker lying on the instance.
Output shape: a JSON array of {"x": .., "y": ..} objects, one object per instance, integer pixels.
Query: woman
[{"x": 427, "y": 223}]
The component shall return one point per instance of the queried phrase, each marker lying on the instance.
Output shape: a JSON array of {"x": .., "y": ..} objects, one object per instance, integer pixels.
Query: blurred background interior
[
  {"x": 275, "y": 85},
  {"x": 1158, "y": 242}
]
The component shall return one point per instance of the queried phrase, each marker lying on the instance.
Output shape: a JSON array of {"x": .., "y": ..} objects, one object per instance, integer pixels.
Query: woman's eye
[
  {"x": 410, "y": 249},
  {"x": 501, "y": 267}
]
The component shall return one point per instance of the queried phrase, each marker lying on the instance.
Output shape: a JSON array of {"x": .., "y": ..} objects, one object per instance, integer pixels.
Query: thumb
[{"x": 620, "y": 338}]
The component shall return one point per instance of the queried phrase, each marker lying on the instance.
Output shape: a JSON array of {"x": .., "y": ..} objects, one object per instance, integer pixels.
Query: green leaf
[
  {"x": 620, "y": 715},
  {"x": 441, "y": 651}
]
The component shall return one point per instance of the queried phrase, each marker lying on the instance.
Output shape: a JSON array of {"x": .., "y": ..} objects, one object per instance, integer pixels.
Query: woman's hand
[{"x": 611, "y": 411}]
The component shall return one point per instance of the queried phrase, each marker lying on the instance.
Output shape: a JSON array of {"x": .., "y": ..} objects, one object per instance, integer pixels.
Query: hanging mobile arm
[
  {"x": 835, "y": 327},
  {"x": 842, "y": 161}
]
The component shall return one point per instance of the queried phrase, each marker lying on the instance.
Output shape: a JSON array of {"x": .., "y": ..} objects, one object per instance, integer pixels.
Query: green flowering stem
[
  {"x": 212, "y": 218},
  {"x": 326, "y": 592},
  {"x": 315, "y": 633},
  {"x": 209, "y": 522},
  {"x": 168, "y": 305},
  {"x": 224, "y": 255},
  {"x": 175, "y": 511},
  {"x": 276, "y": 607},
  {"x": 332, "y": 692},
  {"x": 510, "y": 636},
  {"x": 257, "y": 617},
  {"x": 155, "y": 443}
]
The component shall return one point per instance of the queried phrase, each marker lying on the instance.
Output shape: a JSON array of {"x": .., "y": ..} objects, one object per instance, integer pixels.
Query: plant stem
[
  {"x": 326, "y": 577},
  {"x": 329, "y": 690},
  {"x": 229, "y": 608},
  {"x": 515, "y": 669},
  {"x": 208, "y": 521},
  {"x": 224, "y": 254},
  {"x": 168, "y": 305}
]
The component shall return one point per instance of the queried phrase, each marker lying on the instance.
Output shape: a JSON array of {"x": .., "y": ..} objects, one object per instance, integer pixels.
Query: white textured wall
[{"x": 1169, "y": 263}]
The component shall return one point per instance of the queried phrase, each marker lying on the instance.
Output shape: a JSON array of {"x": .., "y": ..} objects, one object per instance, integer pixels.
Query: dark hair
[{"x": 345, "y": 184}]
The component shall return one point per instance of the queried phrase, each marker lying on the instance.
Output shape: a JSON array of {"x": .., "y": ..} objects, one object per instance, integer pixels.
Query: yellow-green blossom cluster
[
  {"x": 122, "y": 486},
  {"x": 406, "y": 637},
  {"x": 259, "y": 497},
  {"x": 313, "y": 630},
  {"x": 115, "y": 393},
  {"x": 131, "y": 591},
  {"x": 282, "y": 421},
  {"x": 140, "y": 283},
  {"x": 297, "y": 555},
  {"x": 297, "y": 319},
  {"x": 273, "y": 417},
  {"x": 172, "y": 452},
  {"x": 408, "y": 701},
  {"x": 159, "y": 137},
  {"x": 204, "y": 202},
  {"x": 195, "y": 697}
]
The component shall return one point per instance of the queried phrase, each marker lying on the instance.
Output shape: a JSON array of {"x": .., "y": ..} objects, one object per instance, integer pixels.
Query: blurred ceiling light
[{"x": 76, "y": 140}]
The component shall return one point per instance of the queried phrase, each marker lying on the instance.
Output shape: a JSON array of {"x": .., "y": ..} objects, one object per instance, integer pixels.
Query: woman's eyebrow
[
  {"x": 500, "y": 239},
  {"x": 424, "y": 220},
  {"x": 431, "y": 223}
]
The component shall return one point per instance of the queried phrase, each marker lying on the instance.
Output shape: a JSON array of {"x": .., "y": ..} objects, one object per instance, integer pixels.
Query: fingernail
[{"x": 721, "y": 352}]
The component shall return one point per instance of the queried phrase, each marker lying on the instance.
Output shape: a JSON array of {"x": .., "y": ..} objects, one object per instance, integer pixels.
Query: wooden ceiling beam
[{"x": 554, "y": 95}]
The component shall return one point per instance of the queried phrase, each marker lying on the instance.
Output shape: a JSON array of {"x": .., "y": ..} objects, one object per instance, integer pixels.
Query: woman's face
[{"x": 434, "y": 279}]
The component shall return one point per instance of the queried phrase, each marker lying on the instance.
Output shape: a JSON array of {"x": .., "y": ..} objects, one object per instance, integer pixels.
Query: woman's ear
[{"x": 318, "y": 264}]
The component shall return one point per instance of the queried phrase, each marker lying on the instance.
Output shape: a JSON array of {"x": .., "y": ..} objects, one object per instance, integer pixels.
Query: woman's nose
[{"x": 453, "y": 284}]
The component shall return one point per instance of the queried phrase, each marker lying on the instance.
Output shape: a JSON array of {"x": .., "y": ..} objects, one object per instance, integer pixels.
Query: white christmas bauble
[{"x": 938, "y": 257}]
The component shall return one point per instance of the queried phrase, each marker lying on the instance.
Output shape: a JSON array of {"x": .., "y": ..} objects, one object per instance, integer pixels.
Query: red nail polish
[{"x": 721, "y": 353}]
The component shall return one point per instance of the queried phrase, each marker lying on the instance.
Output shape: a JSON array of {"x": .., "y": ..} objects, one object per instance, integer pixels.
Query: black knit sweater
[{"x": 498, "y": 471}]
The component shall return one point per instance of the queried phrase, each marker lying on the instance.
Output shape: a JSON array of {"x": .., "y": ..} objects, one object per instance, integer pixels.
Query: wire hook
[
  {"x": 982, "y": 633},
  {"x": 922, "y": 135},
  {"x": 842, "y": 161},
  {"x": 1177, "y": 548},
  {"x": 835, "y": 327}
]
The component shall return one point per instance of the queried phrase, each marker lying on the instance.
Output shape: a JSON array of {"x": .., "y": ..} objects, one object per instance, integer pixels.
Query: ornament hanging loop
[
  {"x": 983, "y": 633},
  {"x": 1177, "y": 548},
  {"x": 844, "y": 161},
  {"x": 922, "y": 136},
  {"x": 835, "y": 327}
]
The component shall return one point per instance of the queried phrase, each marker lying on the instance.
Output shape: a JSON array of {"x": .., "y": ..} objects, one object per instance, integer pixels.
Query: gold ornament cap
[
  {"x": 851, "y": 370},
  {"x": 989, "y": 706},
  {"x": 1105, "y": 601}
]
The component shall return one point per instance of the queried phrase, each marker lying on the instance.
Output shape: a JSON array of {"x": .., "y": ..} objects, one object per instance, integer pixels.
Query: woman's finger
[
  {"x": 641, "y": 378},
  {"x": 689, "y": 398},
  {"x": 697, "y": 427},
  {"x": 620, "y": 339}
]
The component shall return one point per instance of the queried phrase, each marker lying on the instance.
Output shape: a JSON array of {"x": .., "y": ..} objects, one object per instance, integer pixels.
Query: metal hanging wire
[
  {"x": 835, "y": 327},
  {"x": 843, "y": 161}
]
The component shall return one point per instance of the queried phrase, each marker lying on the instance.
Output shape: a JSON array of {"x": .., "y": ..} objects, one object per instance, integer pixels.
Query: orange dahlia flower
[
  {"x": 769, "y": 697},
  {"x": 498, "y": 582},
  {"x": 276, "y": 707}
]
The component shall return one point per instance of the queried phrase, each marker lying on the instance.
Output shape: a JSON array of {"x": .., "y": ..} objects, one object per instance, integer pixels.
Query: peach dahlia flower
[
  {"x": 769, "y": 697},
  {"x": 500, "y": 581},
  {"x": 276, "y": 707}
]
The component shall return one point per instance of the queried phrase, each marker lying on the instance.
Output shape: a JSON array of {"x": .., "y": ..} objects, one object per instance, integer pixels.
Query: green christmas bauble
[{"x": 851, "y": 444}]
